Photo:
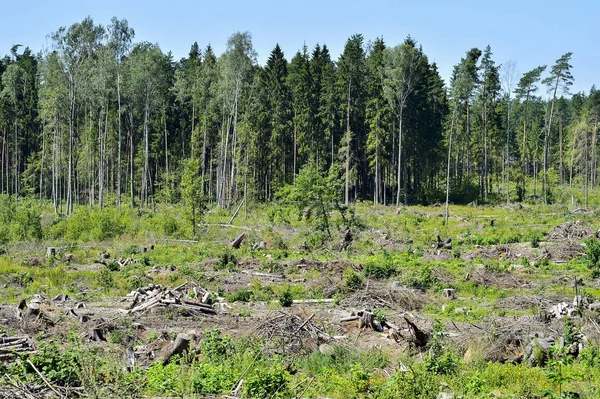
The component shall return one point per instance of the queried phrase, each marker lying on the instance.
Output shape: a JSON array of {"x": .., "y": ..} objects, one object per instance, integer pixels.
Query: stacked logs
[
  {"x": 156, "y": 296},
  {"x": 11, "y": 346}
]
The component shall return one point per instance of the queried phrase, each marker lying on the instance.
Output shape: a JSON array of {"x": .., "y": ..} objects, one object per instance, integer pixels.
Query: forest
[
  {"x": 309, "y": 228},
  {"x": 100, "y": 119}
]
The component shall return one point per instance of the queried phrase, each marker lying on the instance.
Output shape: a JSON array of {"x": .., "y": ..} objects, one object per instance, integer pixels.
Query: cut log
[
  {"x": 238, "y": 241},
  {"x": 181, "y": 344}
]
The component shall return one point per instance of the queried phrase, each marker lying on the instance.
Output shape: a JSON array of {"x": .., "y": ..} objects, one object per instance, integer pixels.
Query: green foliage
[
  {"x": 557, "y": 373},
  {"x": 571, "y": 333},
  {"x": 360, "y": 378},
  {"x": 267, "y": 382},
  {"x": 439, "y": 360},
  {"x": 19, "y": 222},
  {"x": 59, "y": 365},
  {"x": 592, "y": 256},
  {"x": 227, "y": 260},
  {"x": 191, "y": 191},
  {"x": 352, "y": 280},
  {"x": 286, "y": 299},
  {"x": 380, "y": 315},
  {"x": 240, "y": 296},
  {"x": 314, "y": 194},
  {"x": 420, "y": 279},
  {"x": 215, "y": 344},
  {"x": 417, "y": 383},
  {"x": 381, "y": 266}
]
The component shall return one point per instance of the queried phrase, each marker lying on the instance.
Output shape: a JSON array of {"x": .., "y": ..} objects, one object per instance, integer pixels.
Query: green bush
[
  {"x": 286, "y": 299},
  {"x": 353, "y": 281},
  {"x": 212, "y": 379},
  {"x": 592, "y": 256},
  {"x": 58, "y": 365},
  {"x": 215, "y": 344},
  {"x": 381, "y": 266},
  {"x": 267, "y": 382},
  {"x": 240, "y": 296},
  {"x": 420, "y": 279}
]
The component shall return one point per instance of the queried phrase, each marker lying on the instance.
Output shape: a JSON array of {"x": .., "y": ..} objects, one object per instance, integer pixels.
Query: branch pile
[
  {"x": 157, "y": 296},
  {"x": 570, "y": 231},
  {"x": 289, "y": 333}
]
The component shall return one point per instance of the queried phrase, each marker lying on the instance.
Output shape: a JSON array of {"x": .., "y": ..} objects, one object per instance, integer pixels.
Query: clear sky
[{"x": 528, "y": 32}]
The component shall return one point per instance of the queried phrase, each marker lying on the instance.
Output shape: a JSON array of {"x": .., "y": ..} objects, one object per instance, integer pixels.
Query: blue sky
[{"x": 529, "y": 32}]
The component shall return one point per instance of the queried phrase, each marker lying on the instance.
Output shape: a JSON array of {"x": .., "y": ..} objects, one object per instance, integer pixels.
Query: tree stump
[
  {"x": 181, "y": 344},
  {"x": 50, "y": 252},
  {"x": 366, "y": 319}
]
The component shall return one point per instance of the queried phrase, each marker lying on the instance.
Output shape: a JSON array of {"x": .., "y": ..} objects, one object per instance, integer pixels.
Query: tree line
[{"x": 100, "y": 119}]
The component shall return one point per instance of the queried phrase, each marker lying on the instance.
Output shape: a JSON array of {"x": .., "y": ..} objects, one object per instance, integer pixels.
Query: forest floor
[{"x": 509, "y": 277}]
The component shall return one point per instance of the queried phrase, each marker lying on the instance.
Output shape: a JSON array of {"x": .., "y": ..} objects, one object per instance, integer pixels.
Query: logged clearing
[{"x": 393, "y": 296}]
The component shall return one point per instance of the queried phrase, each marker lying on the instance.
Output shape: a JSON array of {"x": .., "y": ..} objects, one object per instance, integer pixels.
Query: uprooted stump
[
  {"x": 418, "y": 336},
  {"x": 446, "y": 244}
]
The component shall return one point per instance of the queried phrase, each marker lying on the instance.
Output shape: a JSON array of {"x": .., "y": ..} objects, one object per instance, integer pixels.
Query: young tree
[{"x": 191, "y": 191}]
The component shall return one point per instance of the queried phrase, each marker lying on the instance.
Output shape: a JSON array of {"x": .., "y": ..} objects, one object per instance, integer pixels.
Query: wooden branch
[
  {"x": 44, "y": 379},
  {"x": 236, "y": 211},
  {"x": 303, "y": 324}
]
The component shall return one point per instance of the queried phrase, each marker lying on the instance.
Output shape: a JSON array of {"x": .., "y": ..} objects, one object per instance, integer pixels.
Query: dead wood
[
  {"x": 181, "y": 344},
  {"x": 238, "y": 241}
]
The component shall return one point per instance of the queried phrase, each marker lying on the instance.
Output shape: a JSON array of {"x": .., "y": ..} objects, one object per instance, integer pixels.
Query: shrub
[
  {"x": 286, "y": 298},
  {"x": 227, "y": 260},
  {"x": 215, "y": 344},
  {"x": 420, "y": 279},
  {"x": 58, "y": 365},
  {"x": 353, "y": 281},
  {"x": 240, "y": 296},
  {"x": 380, "y": 266},
  {"x": 267, "y": 382},
  {"x": 592, "y": 256}
]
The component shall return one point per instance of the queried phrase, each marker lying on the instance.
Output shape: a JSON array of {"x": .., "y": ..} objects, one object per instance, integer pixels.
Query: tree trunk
[
  {"x": 448, "y": 168},
  {"x": 119, "y": 172},
  {"x": 42, "y": 162},
  {"x": 399, "y": 153},
  {"x": 131, "y": 155},
  {"x": 71, "y": 142},
  {"x": 547, "y": 143},
  {"x": 346, "y": 189}
]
